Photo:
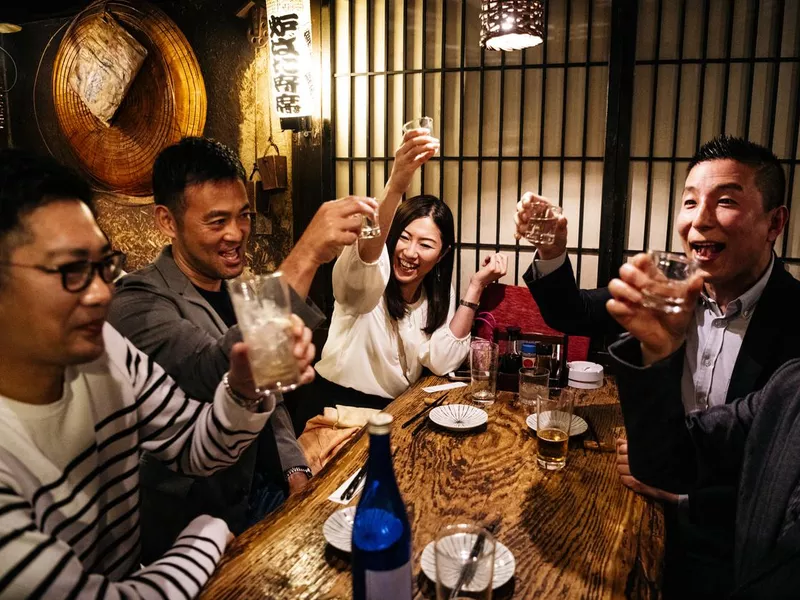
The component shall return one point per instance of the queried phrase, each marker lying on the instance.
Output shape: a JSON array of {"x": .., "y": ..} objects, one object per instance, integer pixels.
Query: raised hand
[
  {"x": 418, "y": 147},
  {"x": 522, "y": 221},
  {"x": 494, "y": 267},
  {"x": 660, "y": 333}
]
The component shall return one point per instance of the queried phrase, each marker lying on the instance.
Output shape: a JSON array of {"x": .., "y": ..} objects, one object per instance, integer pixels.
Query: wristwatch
[
  {"x": 292, "y": 470},
  {"x": 472, "y": 305}
]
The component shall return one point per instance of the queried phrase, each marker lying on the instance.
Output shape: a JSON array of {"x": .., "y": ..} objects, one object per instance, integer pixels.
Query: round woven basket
[{"x": 166, "y": 101}]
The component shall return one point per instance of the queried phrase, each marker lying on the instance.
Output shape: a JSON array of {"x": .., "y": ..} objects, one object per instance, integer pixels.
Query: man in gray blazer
[
  {"x": 748, "y": 444},
  {"x": 178, "y": 311}
]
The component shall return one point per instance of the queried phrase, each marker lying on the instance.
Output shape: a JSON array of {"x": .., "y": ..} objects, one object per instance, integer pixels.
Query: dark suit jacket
[
  {"x": 752, "y": 443},
  {"x": 162, "y": 313}
]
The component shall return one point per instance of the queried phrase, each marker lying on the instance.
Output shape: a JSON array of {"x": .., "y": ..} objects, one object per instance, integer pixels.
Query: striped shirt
[{"x": 69, "y": 480}]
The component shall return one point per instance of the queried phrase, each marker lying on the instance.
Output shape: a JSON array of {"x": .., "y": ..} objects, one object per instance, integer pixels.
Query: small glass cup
[
  {"x": 533, "y": 383},
  {"x": 553, "y": 422},
  {"x": 483, "y": 357},
  {"x": 420, "y": 123},
  {"x": 370, "y": 228},
  {"x": 263, "y": 309},
  {"x": 464, "y": 562},
  {"x": 542, "y": 222},
  {"x": 669, "y": 274}
]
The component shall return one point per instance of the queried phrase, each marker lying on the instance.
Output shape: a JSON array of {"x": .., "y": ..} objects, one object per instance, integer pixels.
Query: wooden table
[{"x": 577, "y": 533}]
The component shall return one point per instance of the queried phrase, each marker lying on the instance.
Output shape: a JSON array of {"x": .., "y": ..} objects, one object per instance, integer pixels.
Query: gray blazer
[
  {"x": 162, "y": 313},
  {"x": 752, "y": 443}
]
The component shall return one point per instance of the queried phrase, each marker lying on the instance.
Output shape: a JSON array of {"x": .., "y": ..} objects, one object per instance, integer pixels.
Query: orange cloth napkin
[{"x": 325, "y": 434}]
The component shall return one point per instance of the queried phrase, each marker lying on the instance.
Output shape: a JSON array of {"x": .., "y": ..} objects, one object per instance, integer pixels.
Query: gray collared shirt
[{"x": 713, "y": 344}]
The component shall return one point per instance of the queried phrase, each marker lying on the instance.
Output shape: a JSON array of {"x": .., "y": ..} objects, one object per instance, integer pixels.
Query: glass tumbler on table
[
  {"x": 483, "y": 362},
  {"x": 263, "y": 309},
  {"x": 553, "y": 422},
  {"x": 533, "y": 383},
  {"x": 669, "y": 275},
  {"x": 464, "y": 562}
]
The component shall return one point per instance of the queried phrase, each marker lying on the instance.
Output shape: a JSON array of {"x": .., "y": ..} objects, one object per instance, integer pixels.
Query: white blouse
[{"x": 362, "y": 350}]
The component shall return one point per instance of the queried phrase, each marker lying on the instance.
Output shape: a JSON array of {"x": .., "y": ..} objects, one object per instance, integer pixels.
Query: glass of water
[
  {"x": 542, "y": 222},
  {"x": 669, "y": 274},
  {"x": 465, "y": 557},
  {"x": 483, "y": 357},
  {"x": 533, "y": 383},
  {"x": 263, "y": 309}
]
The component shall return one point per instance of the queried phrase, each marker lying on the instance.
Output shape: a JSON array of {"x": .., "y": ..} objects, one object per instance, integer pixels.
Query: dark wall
[{"x": 219, "y": 40}]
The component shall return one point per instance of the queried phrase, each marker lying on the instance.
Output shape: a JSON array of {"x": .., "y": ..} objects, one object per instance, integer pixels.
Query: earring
[{"x": 438, "y": 273}]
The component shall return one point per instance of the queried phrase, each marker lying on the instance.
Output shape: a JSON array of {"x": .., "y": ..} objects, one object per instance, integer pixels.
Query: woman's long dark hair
[{"x": 437, "y": 282}]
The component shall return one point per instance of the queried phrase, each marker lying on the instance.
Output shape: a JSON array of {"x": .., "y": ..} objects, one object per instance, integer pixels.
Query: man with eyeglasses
[
  {"x": 79, "y": 403},
  {"x": 178, "y": 311}
]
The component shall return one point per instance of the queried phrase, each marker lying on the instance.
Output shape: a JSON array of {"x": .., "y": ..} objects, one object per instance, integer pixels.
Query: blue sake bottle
[{"x": 381, "y": 531}]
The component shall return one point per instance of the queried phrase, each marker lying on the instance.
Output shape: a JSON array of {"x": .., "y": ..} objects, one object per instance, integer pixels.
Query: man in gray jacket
[{"x": 178, "y": 311}]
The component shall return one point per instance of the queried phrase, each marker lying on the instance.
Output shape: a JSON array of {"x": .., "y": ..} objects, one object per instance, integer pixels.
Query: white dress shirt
[{"x": 362, "y": 350}]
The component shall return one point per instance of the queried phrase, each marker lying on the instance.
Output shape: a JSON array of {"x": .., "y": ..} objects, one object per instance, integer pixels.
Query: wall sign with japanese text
[{"x": 289, "y": 23}]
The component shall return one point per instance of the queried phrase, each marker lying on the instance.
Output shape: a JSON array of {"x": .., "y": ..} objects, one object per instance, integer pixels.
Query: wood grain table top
[{"x": 576, "y": 533}]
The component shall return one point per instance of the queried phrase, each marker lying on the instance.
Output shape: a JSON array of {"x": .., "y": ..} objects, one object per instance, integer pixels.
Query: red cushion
[{"x": 514, "y": 305}]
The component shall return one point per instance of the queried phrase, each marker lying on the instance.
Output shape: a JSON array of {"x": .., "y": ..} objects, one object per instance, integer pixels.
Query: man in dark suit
[
  {"x": 178, "y": 311},
  {"x": 731, "y": 214},
  {"x": 752, "y": 443}
]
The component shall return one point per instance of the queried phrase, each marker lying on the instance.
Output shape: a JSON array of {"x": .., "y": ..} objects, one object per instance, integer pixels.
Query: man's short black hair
[
  {"x": 28, "y": 181},
  {"x": 191, "y": 161},
  {"x": 770, "y": 178}
]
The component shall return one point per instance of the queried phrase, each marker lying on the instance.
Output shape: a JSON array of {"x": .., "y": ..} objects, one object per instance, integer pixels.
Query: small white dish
[
  {"x": 576, "y": 427},
  {"x": 458, "y": 417},
  {"x": 504, "y": 563},
  {"x": 338, "y": 528}
]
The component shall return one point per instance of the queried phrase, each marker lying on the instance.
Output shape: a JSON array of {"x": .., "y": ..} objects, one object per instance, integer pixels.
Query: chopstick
[
  {"x": 351, "y": 489},
  {"x": 433, "y": 405},
  {"x": 468, "y": 571}
]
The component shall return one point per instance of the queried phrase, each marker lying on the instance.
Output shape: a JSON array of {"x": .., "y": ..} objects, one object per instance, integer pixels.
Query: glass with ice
[{"x": 263, "y": 310}]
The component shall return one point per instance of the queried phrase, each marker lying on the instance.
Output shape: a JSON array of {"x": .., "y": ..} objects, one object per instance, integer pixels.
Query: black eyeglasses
[{"x": 76, "y": 276}]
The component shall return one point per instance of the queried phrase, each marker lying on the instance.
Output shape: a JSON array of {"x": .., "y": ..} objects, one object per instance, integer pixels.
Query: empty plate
[
  {"x": 576, "y": 427},
  {"x": 458, "y": 417},
  {"x": 338, "y": 529},
  {"x": 504, "y": 563}
]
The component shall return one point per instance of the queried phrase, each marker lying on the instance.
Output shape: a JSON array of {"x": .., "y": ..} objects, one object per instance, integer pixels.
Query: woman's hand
[
  {"x": 418, "y": 148},
  {"x": 494, "y": 267}
]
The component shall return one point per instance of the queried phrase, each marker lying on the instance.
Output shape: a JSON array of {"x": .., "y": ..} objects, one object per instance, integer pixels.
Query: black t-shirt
[{"x": 221, "y": 302}]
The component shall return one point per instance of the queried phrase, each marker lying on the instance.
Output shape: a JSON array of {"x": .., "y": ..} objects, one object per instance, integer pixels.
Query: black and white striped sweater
[{"x": 69, "y": 480}]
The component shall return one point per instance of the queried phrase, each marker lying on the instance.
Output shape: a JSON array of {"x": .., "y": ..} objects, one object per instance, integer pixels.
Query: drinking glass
[
  {"x": 420, "y": 123},
  {"x": 263, "y": 310},
  {"x": 532, "y": 384},
  {"x": 669, "y": 274},
  {"x": 553, "y": 421},
  {"x": 464, "y": 562},
  {"x": 542, "y": 221},
  {"x": 370, "y": 228},
  {"x": 483, "y": 356}
]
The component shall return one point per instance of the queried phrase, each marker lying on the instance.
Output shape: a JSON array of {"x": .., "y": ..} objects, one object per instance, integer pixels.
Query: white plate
[
  {"x": 504, "y": 563},
  {"x": 338, "y": 529},
  {"x": 458, "y": 417},
  {"x": 576, "y": 427}
]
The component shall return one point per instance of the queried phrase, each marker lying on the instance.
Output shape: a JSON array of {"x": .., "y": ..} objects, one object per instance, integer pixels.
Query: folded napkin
[{"x": 325, "y": 434}]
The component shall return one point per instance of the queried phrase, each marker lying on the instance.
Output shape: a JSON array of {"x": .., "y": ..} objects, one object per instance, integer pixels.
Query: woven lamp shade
[
  {"x": 166, "y": 101},
  {"x": 511, "y": 24}
]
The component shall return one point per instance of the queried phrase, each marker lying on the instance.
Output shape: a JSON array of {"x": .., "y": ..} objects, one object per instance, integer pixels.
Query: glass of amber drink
[{"x": 553, "y": 421}]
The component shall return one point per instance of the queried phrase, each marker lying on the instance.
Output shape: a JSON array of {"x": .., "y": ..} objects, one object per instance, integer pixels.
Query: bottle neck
[{"x": 380, "y": 456}]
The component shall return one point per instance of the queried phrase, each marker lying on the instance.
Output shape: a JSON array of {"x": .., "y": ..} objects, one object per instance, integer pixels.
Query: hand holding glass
[
  {"x": 669, "y": 275},
  {"x": 263, "y": 310},
  {"x": 542, "y": 222},
  {"x": 464, "y": 562},
  {"x": 420, "y": 123}
]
